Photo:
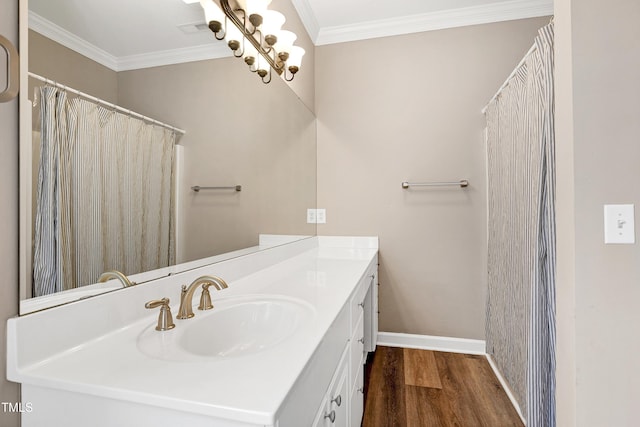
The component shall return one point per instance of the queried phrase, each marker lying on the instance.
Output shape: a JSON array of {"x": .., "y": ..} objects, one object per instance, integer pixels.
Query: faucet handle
[
  {"x": 165, "y": 320},
  {"x": 205, "y": 298}
]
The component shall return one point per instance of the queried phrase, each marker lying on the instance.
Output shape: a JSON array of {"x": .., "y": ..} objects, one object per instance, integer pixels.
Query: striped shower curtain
[
  {"x": 520, "y": 321},
  {"x": 104, "y": 194}
]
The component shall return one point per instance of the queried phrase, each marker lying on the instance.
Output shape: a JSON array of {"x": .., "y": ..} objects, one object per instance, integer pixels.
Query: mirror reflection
[{"x": 111, "y": 189}]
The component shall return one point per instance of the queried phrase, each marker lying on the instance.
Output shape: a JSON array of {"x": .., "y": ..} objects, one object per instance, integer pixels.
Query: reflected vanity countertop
[
  {"x": 247, "y": 388},
  {"x": 34, "y": 304}
]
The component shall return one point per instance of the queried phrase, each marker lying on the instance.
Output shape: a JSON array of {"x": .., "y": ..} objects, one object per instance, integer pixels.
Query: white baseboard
[
  {"x": 428, "y": 342},
  {"x": 506, "y": 388}
]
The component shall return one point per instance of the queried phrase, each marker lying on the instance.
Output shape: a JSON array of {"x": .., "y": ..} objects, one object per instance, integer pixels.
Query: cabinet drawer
[
  {"x": 356, "y": 400},
  {"x": 356, "y": 350},
  {"x": 358, "y": 298},
  {"x": 357, "y": 304}
]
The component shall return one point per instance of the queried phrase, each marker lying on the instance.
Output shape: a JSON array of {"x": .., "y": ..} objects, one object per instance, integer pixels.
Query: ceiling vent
[{"x": 194, "y": 27}]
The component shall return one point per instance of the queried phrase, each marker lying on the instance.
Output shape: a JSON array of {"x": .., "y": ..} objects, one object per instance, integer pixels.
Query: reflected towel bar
[
  {"x": 197, "y": 188},
  {"x": 462, "y": 183}
]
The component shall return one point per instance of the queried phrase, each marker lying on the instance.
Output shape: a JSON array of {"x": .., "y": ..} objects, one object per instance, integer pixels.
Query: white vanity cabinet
[
  {"x": 364, "y": 314},
  {"x": 342, "y": 401},
  {"x": 96, "y": 373}
]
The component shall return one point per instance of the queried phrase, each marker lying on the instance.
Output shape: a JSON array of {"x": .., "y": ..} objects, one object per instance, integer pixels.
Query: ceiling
[{"x": 130, "y": 34}]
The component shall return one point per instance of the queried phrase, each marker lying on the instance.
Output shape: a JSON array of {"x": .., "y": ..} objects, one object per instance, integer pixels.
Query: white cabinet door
[
  {"x": 357, "y": 407},
  {"x": 356, "y": 352},
  {"x": 371, "y": 311},
  {"x": 334, "y": 409},
  {"x": 321, "y": 416},
  {"x": 375, "y": 287},
  {"x": 338, "y": 399}
]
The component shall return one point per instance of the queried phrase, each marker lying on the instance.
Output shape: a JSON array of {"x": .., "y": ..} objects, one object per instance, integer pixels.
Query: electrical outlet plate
[
  {"x": 316, "y": 216},
  {"x": 311, "y": 216}
]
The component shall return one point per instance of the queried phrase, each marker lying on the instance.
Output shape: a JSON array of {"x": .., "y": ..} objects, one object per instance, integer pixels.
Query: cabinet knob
[
  {"x": 332, "y": 416},
  {"x": 361, "y": 390},
  {"x": 361, "y": 340},
  {"x": 361, "y": 305},
  {"x": 338, "y": 400}
]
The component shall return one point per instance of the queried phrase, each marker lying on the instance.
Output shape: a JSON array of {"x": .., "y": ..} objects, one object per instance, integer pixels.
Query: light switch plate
[
  {"x": 321, "y": 216},
  {"x": 619, "y": 224}
]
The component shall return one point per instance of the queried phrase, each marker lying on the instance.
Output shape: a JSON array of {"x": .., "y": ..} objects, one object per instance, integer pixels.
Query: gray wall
[
  {"x": 597, "y": 105},
  {"x": 9, "y": 392},
  {"x": 54, "y": 61},
  {"x": 239, "y": 131},
  {"x": 304, "y": 82},
  {"x": 409, "y": 108}
]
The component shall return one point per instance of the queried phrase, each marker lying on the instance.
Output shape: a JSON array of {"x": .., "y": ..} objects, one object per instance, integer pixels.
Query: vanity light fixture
[{"x": 255, "y": 34}]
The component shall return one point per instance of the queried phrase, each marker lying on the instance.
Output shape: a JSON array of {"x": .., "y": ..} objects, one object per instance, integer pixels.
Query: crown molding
[
  {"x": 174, "y": 56},
  {"x": 493, "y": 12},
  {"x": 132, "y": 62},
  {"x": 308, "y": 18},
  {"x": 67, "y": 39}
]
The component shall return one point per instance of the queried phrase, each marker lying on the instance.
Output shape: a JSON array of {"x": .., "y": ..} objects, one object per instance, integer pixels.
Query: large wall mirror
[{"x": 157, "y": 61}]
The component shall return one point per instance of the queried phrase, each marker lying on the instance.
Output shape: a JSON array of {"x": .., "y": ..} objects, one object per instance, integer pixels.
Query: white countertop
[{"x": 249, "y": 388}]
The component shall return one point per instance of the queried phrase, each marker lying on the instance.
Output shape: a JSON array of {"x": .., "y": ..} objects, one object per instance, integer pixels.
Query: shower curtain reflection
[{"x": 104, "y": 194}]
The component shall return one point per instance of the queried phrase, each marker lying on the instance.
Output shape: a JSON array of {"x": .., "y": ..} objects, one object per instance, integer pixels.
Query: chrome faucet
[
  {"x": 186, "y": 296},
  {"x": 115, "y": 274}
]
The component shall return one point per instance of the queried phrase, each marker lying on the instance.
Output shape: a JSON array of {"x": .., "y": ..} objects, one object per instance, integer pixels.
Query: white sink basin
[{"x": 235, "y": 327}]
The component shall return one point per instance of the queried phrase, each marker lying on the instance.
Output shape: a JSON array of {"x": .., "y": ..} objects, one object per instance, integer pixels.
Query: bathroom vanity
[{"x": 283, "y": 346}]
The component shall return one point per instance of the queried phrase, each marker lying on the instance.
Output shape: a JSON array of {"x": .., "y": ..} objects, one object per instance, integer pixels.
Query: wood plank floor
[{"x": 416, "y": 388}]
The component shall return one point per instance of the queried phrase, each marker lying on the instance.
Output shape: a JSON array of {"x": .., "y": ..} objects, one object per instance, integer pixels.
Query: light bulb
[
  {"x": 254, "y": 10},
  {"x": 257, "y": 7},
  {"x": 271, "y": 26},
  {"x": 295, "y": 59},
  {"x": 213, "y": 15},
  {"x": 285, "y": 43}
]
